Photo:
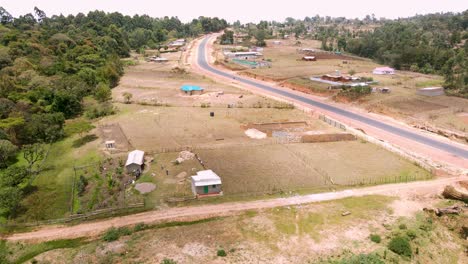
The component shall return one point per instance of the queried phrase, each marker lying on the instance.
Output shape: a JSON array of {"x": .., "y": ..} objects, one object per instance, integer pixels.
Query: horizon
[{"x": 296, "y": 9}]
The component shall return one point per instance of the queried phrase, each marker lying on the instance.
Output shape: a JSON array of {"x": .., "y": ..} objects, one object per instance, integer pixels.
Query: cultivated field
[{"x": 308, "y": 166}]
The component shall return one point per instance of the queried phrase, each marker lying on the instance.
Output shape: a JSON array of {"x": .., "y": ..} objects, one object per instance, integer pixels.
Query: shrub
[
  {"x": 411, "y": 234},
  {"x": 139, "y": 227},
  {"x": 81, "y": 185},
  {"x": 113, "y": 234},
  {"x": 168, "y": 261},
  {"x": 375, "y": 238},
  {"x": 401, "y": 246},
  {"x": 361, "y": 259},
  {"x": 402, "y": 226},
  {"x": 221, "y": 253}
]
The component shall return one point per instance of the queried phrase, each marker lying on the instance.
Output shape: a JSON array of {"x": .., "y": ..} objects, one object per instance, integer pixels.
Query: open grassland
[{"x": 315, "y": 233}]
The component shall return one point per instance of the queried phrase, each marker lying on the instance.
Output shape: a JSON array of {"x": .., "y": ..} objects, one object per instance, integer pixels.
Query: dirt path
[{"x": 424, "y": 189}]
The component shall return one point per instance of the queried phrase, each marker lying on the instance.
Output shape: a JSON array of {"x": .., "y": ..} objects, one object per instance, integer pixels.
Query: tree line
[{"x": 61, "y": 67}]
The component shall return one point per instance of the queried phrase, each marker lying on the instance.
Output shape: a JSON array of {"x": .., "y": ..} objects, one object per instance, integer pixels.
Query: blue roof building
[{"x": 191, "y": 88}]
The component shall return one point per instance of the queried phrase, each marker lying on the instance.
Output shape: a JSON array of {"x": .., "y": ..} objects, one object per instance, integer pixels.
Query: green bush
[
  {"x": 221, "y": 253},
  {"x": 81, "y": 185},
  {"x": 168, "y": 261},
  {"x": 411, "y": 234},
  {"x": 401, "y": 246},
  {"x": 361, "y": 259},
  {"x": 140, "y": 227},
  {"x": 113, "y": 234},
  {"x": 375, "y": 238},
  {"x": 402, "y": 226}
]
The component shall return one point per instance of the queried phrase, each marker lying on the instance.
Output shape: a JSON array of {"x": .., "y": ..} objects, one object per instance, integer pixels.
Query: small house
[
  {"x": 135, "y": 161},
  {"x": 191, "y": 89},
  {"x": 177, "y": 43},
  {"x": 206, "y": 182},
  {"x": 383, "y": 70}
]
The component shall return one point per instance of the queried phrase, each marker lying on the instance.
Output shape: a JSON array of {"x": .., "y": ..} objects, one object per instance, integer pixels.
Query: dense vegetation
[{"x": 57, "y": 68}]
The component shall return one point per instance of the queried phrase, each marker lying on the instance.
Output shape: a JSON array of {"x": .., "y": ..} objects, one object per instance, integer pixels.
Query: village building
[
  {"x": 206, "y": 182},
  {"x": 135, "y": 162},
  {"x": 383, "y": 70},
  {"x": 191, "y": 89}
]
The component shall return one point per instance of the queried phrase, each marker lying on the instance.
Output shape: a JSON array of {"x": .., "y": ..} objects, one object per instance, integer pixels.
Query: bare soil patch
[
  {"x": 145, "y": 187},
  {"x": 415, "y": 105}
]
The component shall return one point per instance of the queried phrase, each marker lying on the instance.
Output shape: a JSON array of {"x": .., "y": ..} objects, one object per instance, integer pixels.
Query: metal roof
[
  {"x": 206, "y": 178},
  {"x": 188, "y": 88},
  {"x": 135, "y": 157}
]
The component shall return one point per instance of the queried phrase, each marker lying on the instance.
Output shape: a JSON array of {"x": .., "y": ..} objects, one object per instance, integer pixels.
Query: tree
[
  {"x": 103, "y": 92},
  {"x": 13, "y": 176},
  {"x": 33, "y": 154},
  {"x": 127, "y": 97},
  {"x": 45, "y": 128},
  {"x": 10, "y": 198},
  {"x": 260, "y": 37},
  {"x": 10, "y": 124},
  {"x": 7, "y": 151}
]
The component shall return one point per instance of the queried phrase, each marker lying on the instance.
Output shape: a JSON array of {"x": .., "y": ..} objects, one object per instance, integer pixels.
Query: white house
[
  {"x": 383, "y": 70},
  {"x": 135, "y": 161},
  {"x": 206, "y": 182}
]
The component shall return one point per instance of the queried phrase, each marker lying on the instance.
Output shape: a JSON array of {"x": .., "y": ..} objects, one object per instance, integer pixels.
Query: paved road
[{"x": 452, "y": 149}]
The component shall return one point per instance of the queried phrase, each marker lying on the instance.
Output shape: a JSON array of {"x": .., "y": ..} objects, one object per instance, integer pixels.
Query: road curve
[{"x": 428, "y": 141}]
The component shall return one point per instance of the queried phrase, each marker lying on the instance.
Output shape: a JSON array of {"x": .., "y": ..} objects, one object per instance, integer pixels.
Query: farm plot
[
  {"x": 275, "y": 168},
  {"x": 166, "y": 129}
]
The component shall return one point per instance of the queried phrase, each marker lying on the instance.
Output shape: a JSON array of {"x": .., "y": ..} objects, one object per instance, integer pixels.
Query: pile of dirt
[
  {"x": 186, "y": 155},
  {"x": 254, "y": 133},
  {"x": 145, "y": 187}
]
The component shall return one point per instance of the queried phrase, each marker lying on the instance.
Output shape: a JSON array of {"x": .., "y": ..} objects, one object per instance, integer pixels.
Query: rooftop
[
  {"x": 205, "y": 178},
  {"x": 135, "y": 157},
  {"x": 188, "y": 88}
]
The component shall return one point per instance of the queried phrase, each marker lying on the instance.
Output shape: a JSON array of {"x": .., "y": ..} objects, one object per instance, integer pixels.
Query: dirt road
[{"x": 425, "y": 189}]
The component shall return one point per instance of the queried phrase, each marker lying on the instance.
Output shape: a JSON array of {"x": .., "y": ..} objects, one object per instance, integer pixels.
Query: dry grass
[
  {"x": 156, "y": 128},
  {"x": 306, "y": 166}
]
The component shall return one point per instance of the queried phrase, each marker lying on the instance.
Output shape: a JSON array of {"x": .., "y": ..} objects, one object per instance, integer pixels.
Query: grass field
[{"x": 54, "y": 185}]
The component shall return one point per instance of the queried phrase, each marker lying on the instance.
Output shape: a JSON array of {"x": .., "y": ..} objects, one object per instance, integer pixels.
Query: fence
[
  {"x": 131, "y": 208},
  {"x": 332, "y": 122}
]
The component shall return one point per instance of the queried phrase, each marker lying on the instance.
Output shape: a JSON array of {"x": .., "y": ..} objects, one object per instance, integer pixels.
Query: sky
[{"x": 243, "y": 10}]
